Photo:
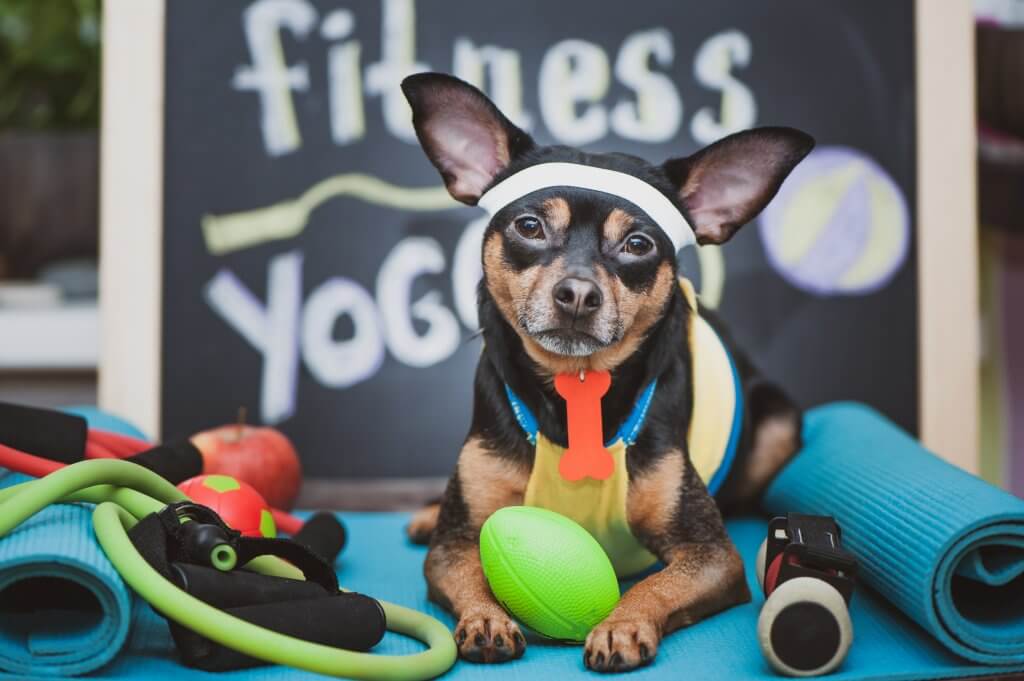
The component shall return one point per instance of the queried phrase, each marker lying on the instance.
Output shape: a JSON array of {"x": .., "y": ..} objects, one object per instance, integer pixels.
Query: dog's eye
[
  {"x": 529, "y": 227},
  {"x": 637, "y": 245}
]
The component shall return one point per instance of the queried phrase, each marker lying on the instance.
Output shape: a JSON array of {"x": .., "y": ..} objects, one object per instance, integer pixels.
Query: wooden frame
[
  {"x": 132, "y": 209},
  {"x": 947, "y": 260}
]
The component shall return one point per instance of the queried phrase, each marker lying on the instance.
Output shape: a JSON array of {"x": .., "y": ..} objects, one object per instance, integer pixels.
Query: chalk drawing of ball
[{"x": 838, "y": 226}]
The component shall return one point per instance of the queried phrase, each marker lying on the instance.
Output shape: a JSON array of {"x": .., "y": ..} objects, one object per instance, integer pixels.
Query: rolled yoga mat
[
  {"x": 64, "y": 611},
  {"x": 943, "y": 546}
]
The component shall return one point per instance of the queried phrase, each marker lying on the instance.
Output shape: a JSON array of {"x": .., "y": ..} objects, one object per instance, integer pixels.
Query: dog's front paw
[
  {"x": 488, "y": 636},
  {"x": 620, "y": 645}
]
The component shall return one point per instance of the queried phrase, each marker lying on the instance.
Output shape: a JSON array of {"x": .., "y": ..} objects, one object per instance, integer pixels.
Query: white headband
[{"x": 641, "y": 194}]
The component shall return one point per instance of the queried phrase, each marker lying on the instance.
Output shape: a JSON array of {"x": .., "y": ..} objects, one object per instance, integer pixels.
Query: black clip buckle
[
  {"x": 812, "y": 547},
  {"x": 203, "y": 537}
]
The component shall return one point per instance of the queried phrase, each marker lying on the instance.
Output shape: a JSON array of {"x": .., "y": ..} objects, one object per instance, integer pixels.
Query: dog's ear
[
  {"x": 463, "y": 133},
  {"x": 726, "y": 184}
]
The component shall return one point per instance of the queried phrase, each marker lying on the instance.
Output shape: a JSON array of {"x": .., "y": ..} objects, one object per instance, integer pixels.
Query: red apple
[{"x": 262, "y": 457}]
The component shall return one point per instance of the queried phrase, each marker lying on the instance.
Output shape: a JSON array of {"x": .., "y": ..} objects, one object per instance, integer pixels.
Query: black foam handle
[
  {"x": 173, "y": 461},
  {"x": 323, "y": 534},
  {"x": 345, "y": 620},
  {"x": 240, "y": 588},
  {"x": 43, "y": 432}
]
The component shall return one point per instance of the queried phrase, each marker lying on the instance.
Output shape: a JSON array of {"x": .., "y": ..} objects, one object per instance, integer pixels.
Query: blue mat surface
[
  {"x": 942, "y": 546},
  {"x": 380, "y": 562}
]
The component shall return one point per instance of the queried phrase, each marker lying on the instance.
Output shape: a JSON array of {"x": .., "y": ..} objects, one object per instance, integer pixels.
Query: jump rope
[{"x": 126, "y": 493}]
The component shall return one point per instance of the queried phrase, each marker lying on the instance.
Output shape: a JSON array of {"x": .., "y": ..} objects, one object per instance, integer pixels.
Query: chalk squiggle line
[{"x": 286, "y": 219}]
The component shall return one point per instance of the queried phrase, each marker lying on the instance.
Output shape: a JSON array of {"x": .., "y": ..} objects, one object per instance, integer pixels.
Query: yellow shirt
[{"x": 600, "y": 505}]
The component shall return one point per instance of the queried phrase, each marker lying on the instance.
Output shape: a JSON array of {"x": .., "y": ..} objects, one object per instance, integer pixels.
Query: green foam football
[{"x": 547, "y": 571}]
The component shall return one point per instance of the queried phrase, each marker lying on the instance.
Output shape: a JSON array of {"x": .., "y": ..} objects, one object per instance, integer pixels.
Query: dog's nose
[{"x": 578, "y": 297}]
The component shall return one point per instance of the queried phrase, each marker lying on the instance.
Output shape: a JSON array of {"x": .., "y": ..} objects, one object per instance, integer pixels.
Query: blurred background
[
  {"x": 302, "y": 261},
  {"x": 49, "y": 199}
]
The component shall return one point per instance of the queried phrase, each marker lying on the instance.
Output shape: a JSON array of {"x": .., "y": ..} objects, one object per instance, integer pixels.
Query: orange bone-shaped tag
[{"x": 586, "y": 456}]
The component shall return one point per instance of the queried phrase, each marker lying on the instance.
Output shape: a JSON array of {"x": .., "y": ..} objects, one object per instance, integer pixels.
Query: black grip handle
[
  {"x": 43, "y": 432},
  {"x": 173, "y": 461},
  {"x": 324, "y": 535},
  {"x": 345, "y": 620},
  {"x": 240, "y": 588}
]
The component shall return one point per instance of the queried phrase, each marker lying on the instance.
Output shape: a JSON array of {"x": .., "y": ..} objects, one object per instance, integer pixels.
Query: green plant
[{"x": 49, "y": 64}]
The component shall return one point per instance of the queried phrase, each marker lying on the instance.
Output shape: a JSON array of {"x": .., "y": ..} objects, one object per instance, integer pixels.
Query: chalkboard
[{"x": 315, "y": 271}]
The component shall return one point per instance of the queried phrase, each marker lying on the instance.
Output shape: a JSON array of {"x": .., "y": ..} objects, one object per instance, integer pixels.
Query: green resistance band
[{"x": 125, "y": 492}]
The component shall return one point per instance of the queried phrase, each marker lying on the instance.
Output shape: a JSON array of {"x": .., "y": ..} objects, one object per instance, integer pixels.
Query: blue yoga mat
[
  {"x": 55, "y": 553},
  {"x": 84, "y": 623},
  {"x": 943, "y": 546},
  {"x": 379, "y": 561}
]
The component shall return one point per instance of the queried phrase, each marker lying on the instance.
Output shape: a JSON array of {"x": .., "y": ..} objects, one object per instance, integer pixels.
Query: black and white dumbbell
[{"x": 804, "y": 628}]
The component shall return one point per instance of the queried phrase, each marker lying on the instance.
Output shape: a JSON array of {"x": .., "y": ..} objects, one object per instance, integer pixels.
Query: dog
[{"x": 579, "y": 278}]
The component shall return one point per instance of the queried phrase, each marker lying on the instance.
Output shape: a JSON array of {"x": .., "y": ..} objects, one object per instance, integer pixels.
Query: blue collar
[{"x": 627, "y": 432}]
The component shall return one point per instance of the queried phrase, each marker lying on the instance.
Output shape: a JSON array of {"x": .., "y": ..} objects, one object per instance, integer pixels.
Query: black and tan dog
[{"x": 578, "y": 278}]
